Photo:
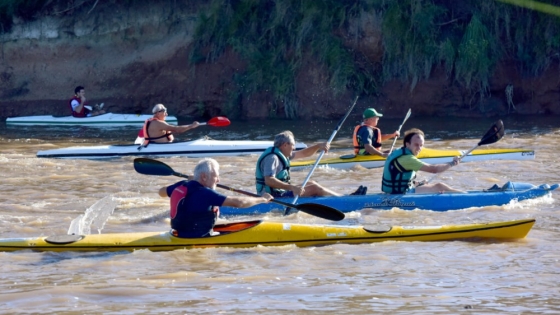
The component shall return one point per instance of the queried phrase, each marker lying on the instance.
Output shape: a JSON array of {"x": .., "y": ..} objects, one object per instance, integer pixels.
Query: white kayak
[
  {"x": 103, "y": 120},
  {"x": 198, "y": 148}
]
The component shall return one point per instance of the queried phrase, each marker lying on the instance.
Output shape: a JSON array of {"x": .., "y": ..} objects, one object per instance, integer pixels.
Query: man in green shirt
[{"x": 401, "y": 167}]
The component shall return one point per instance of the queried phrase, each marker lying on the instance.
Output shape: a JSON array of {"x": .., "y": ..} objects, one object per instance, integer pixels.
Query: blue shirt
[
  {"x": 367, "y": 135},
  {"x": 197, "y": 211}
]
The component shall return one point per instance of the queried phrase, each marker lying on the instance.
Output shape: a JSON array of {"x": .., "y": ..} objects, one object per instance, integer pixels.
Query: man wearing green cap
[{"x": 367, "y": 137}]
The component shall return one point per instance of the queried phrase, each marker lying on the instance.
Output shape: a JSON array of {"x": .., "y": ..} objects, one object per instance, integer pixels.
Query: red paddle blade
[{"x": 219, "y": 121}]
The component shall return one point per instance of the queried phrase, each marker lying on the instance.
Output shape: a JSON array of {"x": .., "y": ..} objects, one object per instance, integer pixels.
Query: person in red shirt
[{"x": 79, "y": 106}]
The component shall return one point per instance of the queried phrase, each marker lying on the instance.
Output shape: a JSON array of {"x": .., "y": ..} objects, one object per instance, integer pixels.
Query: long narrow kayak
[
  {"x": 427, "y": 155},
  {"x": 253, "y": 233},
  {"x": 103, "y": 120},
  {"x": 495, "y": 196},
  {"x": 198, "y": 148}
]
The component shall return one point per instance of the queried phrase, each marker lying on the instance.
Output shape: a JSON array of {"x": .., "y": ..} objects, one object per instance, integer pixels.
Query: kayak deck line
[
  {"x": 494, "y": 196},
  {"x": 103, "y": 120},
  {"x": 202, "y": 147},
  {"x": 254, "y": 233}
]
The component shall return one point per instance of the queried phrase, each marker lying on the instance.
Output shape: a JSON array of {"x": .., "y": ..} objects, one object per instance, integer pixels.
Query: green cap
[{"x": 370, "y": 112}]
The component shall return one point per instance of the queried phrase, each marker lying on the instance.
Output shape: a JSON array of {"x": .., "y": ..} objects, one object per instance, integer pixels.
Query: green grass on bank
[{"x": 282, "y": 39}]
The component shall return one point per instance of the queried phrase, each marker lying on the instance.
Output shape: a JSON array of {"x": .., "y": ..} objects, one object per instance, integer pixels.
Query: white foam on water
[{"x": 94, "y": 218}]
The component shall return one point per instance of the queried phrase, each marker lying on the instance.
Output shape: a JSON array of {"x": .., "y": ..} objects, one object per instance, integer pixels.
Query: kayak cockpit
[
  {"x": 235, "y": 226},
  {"x": 379, "y": 229},
  {"x": 221, "y": 229},
  {"x": 63, "y": 239}
]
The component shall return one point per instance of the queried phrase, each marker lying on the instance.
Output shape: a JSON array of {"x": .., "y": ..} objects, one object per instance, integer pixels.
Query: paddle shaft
[
  {"x": 153, "y": 167},
  {"x": 462, "y": 156},
  {"x": 216, "y": 122},
  {"x": 323, "y": 152},
  {"x": 494, "y": 134},
  {"x": 399, "y": 130},
  {"x": 219, "y": 121},
  {"x": 299, "y": 207}
]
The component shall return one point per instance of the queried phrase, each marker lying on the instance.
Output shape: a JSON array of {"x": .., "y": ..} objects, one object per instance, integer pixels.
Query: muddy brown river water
[{"x": 43, "y": 196}]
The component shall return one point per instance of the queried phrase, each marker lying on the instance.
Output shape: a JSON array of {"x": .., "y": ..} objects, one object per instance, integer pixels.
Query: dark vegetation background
[{"x": 281, "y": 58}]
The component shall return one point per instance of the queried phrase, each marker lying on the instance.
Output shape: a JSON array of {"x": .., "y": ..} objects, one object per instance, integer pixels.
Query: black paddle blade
[
  {"x": 495, "y": 133},
  {"x": 152, "y": 167},
  {"x": 321, "y": 211}
]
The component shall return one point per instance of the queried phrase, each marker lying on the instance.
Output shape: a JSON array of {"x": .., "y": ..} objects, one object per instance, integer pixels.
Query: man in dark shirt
[{"x": 195, "y": 204}]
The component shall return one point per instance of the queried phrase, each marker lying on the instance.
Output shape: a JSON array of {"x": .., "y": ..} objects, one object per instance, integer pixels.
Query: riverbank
[{"x": 132, "y": 56}]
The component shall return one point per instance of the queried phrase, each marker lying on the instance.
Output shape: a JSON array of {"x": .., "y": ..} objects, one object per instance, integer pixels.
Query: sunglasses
[{"x": 162, "y": 111}]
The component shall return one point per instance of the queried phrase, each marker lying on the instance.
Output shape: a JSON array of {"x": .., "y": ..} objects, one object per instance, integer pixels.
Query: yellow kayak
[
  {"x": 253, "y": 233},
  {"x": 431, "y": 156}
]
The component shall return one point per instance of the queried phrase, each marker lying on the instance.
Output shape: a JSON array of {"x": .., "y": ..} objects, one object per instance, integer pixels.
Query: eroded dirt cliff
[{"x": 132, "y": 57}]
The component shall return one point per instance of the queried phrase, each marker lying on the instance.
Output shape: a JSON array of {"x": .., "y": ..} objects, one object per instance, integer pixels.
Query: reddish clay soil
[{"x": 134, "y": 58}]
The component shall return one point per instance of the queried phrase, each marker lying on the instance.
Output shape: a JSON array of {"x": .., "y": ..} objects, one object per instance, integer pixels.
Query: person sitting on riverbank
[
  {"x": 273, "y": 170},
  {"x": 194, "y": 205},
  {"x": 400, "y": 169},
  {"x": 367, "y": 137},
  {"x": 157, "y": 130},
  {"x": 79, "y": 107}
]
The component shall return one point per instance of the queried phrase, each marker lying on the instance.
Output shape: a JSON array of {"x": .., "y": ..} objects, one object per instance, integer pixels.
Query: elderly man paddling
[
  {"x": 273, "y": 170},
  {"x": 158, "y": 131},
  {"x": 195, "y": 204}
]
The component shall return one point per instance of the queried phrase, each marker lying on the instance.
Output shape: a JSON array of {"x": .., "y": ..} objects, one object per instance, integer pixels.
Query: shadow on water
[
  {"x": 435, "y": 128},
  {"x": 49, "y": 258}
]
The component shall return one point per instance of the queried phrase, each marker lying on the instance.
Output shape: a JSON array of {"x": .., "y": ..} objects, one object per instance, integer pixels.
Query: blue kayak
[{"x": 495, "y": 196}]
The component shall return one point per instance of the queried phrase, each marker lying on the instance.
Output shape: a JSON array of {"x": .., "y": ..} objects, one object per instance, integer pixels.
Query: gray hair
[
  {"x": 205, "y": 166},
  {"x": 157, "y": 108},
  {"x": 283, "y": 137}
]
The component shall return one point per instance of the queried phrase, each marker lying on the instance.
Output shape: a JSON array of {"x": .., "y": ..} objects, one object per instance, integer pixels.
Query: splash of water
[{"x": 94, "y": 218}]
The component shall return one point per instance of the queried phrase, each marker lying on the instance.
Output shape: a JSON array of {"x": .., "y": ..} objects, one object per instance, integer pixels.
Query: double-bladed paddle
[
  {"x": 153, "y": 167},
  {"x": 493, "y": 135},
  {"x": 323, "y": 152},
  {"x": 399, "y": 130},
  {"x": 219, "y": 121}
]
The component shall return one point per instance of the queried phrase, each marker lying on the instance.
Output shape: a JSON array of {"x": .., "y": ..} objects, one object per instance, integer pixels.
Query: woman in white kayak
[{"x": 157, "y": 130}]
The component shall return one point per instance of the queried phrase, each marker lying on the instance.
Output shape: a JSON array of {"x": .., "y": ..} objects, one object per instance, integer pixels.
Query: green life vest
[
  {"x": 283, "y": 175},
  {"x": 397, "y": 179}
]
